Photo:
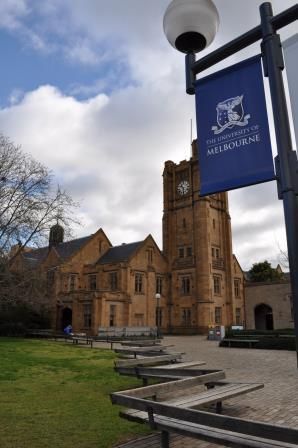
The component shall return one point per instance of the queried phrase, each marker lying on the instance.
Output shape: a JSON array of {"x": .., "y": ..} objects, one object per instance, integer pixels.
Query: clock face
[{"x": 183, "y": 187}]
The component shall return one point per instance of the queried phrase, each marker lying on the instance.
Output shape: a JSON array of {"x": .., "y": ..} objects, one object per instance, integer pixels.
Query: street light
[
  {"x": 190, "y": 26},
  {"x": 158, "y": 333}
]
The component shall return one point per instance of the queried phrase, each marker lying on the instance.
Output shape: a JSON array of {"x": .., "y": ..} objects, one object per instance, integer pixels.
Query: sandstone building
[
  {"x": 92, "y": 284},
  {"x": 269, "y": 304}
]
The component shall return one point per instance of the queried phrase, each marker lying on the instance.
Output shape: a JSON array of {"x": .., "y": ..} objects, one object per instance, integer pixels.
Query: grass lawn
[{"x": 54, "y": 394}]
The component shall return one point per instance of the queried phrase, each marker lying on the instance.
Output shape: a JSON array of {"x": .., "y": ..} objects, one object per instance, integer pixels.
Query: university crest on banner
[
  {"x": 234, "y": 147},
  {"x": 230, "y": 113}
]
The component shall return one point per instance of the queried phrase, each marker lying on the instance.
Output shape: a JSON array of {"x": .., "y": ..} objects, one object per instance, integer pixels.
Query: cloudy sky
[{"x": 92, "y": 89}]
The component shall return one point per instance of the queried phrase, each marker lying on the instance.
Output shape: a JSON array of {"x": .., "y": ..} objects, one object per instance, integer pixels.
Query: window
[
  {"x": 139, "y": 319},
  {"x": 189, "y": 251},
  {"x": 292, "y": 306},
  {"x": 92, "y": 282},
  {"x": 181, "y": 252},
  {"x": 159, "y": 285},
  {"x": 186, "y": 317},
  {"x": 216, "y": 284},
  {"x": 112, "y": 315},
  {"x": 113, "y": 281},
  {"x": 237, "y": 287},
  {"x": 138, "y": 283},
  {"x": 50, "y": 278},
  {"x": 158, "y": 317},
  {"x": 218, "y": 315},
  {"x": 215, "y": 252},
  {"x": 72, "y": 282},
  {"x": 150, "y": 256},
  {"x": 238, "y": 316},
  {"x": 87, "y": 310},
  {"x": 185, "y": 285}
]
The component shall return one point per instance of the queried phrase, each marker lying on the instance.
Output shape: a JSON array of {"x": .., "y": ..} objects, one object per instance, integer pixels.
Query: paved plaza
[{"x": 277, "y": 403}]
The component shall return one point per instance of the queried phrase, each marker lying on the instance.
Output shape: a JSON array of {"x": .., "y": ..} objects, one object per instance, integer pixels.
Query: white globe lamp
[{"x": 191, "y": 25}]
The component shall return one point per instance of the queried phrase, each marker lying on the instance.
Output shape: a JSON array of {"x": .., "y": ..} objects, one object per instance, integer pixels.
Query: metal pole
[
  {"x": 287, "y": 158},
  {"x": 279, "y": 21},
  {"x": 286, "y": 162},
  {"x": 157, "y": 296}
]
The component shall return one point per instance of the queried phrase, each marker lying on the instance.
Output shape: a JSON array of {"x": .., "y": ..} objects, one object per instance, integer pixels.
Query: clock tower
[{"x": 198, "y": 246}]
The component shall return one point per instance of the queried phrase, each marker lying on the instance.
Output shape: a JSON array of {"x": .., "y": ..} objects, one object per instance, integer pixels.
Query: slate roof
[
  {"x": 119, "y": 253},
  {"x": 64, "y": 250},
  {"x": 35, "y": 256}
]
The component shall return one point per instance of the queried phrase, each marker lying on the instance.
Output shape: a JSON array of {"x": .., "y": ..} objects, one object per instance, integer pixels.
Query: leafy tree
[{"x": 263, "y": 271}]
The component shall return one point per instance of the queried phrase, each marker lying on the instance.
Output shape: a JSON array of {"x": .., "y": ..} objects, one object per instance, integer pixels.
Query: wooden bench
[
  {"x": 80, "y": 339},
  {"x": 232, "y": 432},
  {"x": 148, "y": 361},
  {"x": 144, "y": 343},
  {"x": 178, "y": 369},
  {"x": 164, "y": 374},
  {"x": 144, "y": 351},
  {"x": 188, "y": 392},
  {"x": 108, "y": 340},
  {"x": 233, "y": 342},
  {"x": 40, "y": 333},
  {"x": 177, "y": 415}
]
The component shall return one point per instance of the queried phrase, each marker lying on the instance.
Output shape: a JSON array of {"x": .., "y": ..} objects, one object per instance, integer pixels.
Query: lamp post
[
  {"x": 157, "y": 297},
  {"x": 190, "y": 26}
]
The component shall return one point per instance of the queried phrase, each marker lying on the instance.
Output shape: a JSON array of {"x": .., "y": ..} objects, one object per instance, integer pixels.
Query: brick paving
[{"x": 277, "y": 403}]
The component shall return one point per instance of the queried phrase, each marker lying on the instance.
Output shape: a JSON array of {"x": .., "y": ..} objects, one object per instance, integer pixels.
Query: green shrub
[
  {"x": 277, "y": 343},
  {"x": 12, "y": 329},
  {"x": 245, "y": 334},
  {"x": 15, "y": 319}
]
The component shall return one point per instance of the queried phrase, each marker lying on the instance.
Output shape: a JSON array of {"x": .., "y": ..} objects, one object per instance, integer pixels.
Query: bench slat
[
  {"x": 182, "y": 365},
  {"x": 135, "y": 349},
  {"x": 214, "y": 395},
  {"x": 152, "y": 372},
  {"x": 148, "y": 361},
  {"x": 206, "y": 433},
  {"x": 172, "y": 386},
  {"x": 224, "y": 422},
  {"x": 144, "y": 343}
]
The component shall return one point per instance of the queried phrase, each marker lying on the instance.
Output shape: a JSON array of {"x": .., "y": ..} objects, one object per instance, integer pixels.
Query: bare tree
[
  {"x": 25, "y": 286},
  {"x": 30, "y": 203},
  {"x": 284, "y": 259}
]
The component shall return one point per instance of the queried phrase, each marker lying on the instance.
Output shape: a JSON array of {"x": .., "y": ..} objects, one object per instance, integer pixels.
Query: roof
[
  {"x": 119, "y": 253},
  {"x": 64, "y": 250},
  {"x": 35, "y": 256}
]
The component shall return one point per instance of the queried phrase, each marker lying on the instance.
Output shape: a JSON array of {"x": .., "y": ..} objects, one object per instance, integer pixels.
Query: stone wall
[{"x": 276, "y": 295}]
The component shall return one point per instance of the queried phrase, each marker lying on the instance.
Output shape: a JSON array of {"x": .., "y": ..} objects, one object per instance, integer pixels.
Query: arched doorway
[
  {"x": 263, "y": 317},
  {"x": 66, "y": 318}
]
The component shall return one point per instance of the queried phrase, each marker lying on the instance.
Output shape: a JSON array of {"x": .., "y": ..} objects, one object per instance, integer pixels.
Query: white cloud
[
  {"x": 109, "y": 150},
  {"x": 82, "y": 52},
  {"x": 12, "y": 12}
]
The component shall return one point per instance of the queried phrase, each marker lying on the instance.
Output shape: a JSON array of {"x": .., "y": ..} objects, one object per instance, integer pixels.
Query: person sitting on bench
[{"x": 68, "y": 330}]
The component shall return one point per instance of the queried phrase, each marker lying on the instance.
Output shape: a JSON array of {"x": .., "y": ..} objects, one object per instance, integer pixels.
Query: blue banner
[{"x": 232, "y": 125}]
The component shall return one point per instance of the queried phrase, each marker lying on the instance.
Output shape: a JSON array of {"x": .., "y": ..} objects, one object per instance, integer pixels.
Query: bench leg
[
  {"x": 219, "y": 407},
  {"x": 164, "y": 439},
  {"x": 145, "y": 382}
]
